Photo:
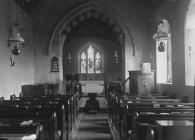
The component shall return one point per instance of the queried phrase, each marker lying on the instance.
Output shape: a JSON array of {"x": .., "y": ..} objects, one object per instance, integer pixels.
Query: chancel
[{"x": 97, "y": 69}]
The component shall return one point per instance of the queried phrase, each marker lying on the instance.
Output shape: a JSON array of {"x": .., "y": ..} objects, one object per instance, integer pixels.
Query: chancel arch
[{"x": 80, "y": 14}]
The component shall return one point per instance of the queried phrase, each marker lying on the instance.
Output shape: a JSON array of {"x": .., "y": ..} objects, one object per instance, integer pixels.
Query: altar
[{"x": 92, "y": 83}]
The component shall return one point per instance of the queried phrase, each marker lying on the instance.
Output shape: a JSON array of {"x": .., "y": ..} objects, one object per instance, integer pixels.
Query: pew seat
[{"x": 15, "y": 119}]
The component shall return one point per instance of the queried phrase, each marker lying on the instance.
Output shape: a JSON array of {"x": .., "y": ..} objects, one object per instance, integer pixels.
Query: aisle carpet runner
[{"x": 93, "y": 126}]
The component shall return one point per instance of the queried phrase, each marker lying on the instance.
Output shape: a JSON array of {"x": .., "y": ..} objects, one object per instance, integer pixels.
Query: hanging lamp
[{"x": 15, "y": 39}]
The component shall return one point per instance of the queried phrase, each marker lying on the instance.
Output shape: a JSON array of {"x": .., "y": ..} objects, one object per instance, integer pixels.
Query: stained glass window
[
  {"x": 97, "y": 63},
  {"x": 90, "y": 53},
  {"x": 83, "y": 63},
  {"x": 90, "y": 61}
]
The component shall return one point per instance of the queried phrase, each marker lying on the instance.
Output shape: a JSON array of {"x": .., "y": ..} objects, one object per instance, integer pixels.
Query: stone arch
[
  {"x": 77, "y": 15},
  {"x": 83, "y": 12}
]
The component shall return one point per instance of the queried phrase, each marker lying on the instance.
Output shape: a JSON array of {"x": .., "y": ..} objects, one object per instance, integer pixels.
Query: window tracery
[{"x": 91, "y": 61}]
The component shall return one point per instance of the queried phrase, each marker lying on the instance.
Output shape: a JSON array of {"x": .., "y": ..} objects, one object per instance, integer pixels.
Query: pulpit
[{"x": 141, "y": 83}]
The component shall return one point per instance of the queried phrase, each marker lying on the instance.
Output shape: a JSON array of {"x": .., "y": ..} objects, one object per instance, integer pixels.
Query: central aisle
[{"x": 93, "y": 126}]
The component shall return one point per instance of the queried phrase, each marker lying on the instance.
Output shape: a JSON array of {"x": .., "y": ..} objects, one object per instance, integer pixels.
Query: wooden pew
[
  {"x": 70, "y": 109},
  {"x": 136, "y": 115},
  {"x": 71, "y": 106},
  {"x": 172, "y": 130},
  {"x": 14, "y": 116},
  {"x": 116, "y": 105},
  {"x": 52, "y": 103},
  {"x": 117, "y": 102},
  {"x": 142, "y": 122}
]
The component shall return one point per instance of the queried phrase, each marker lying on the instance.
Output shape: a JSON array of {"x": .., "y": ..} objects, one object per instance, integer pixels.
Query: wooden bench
[
  {"x": 136, "y": 116},
  {"x": 118, "y": 103},
  {"x": 46, "y": 103},
  {"x": 172, "y": 130},
  {"x": 69, "y": 102},
  {"x": 15, "y": 121}
]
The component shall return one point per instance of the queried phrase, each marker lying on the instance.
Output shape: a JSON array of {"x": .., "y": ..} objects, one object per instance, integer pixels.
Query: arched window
[
  {"x": 91, "y": 61},
  {"x": 83, "y": 63},
  {"x": 163, "y": 53},
  {"x": 190, "y": 45},
  {"x": 90, "y": 64},
  {"x": 97, "y": 63}
]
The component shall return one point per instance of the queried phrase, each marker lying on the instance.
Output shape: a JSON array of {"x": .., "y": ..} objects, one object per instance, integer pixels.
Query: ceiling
[
  {"x": 29, "y": 5},
  {"x": 153, "y": 4}
]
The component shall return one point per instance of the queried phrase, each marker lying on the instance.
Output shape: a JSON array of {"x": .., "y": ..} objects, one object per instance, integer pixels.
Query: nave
[
  {"x": 112, "y": 116},
  {"x": 69, "y": 68}
]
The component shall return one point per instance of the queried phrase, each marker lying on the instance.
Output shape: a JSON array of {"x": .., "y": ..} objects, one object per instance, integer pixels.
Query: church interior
[{"x": 97, "y": 70}]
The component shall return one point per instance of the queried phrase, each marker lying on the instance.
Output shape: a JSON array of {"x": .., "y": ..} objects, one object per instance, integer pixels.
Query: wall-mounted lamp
[
  {"x": 69, "y": 58},
  {"x": 116, "y": 56}
]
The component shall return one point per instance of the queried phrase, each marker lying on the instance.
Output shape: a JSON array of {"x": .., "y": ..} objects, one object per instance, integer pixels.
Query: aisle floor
[
  {"x": 93, "y": 125},
  {"x": 102, "y": 102}
]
